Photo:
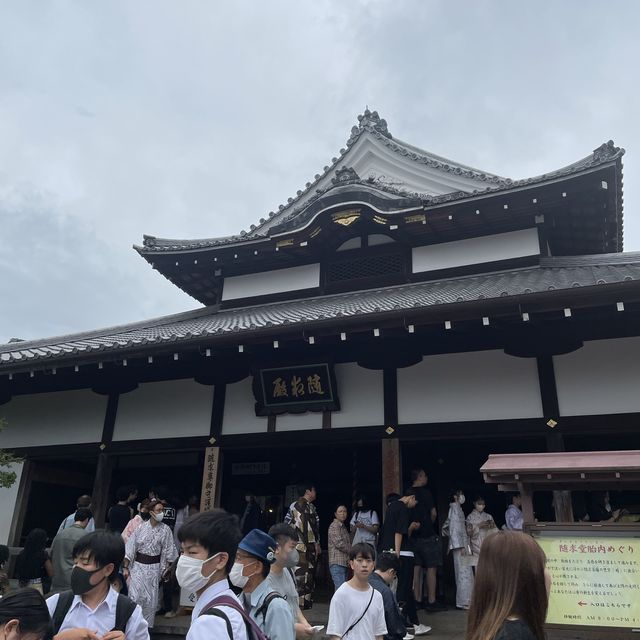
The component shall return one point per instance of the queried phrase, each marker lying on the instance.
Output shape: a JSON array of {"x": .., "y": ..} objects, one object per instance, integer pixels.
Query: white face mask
[
  {"x": 189, "y": 573},
  {"x": 236, "y": 577},
  {"x": 461, "y": 499},
  {"x": 157, "y": 516}
]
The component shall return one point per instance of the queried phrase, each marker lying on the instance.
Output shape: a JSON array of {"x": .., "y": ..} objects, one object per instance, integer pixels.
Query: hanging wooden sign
[
  {"x": 295, "y": 389},
  {"x": 210, "y": 479}
]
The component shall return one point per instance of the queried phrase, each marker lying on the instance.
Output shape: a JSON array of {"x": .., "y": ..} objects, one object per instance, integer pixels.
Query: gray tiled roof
[
  {"x": 553, "y": 274},
  {"x": 291, "y": 214}
]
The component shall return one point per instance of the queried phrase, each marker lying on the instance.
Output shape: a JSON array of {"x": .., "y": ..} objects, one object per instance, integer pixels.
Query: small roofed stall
[{"x": 595, "y": 566}]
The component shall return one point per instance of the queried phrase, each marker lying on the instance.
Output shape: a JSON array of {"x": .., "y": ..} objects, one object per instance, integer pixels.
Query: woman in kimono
[
  {"x": 479, "y": 525},
  {"x": 459, "y": 545},
  {"x": 149, "y": 553}
]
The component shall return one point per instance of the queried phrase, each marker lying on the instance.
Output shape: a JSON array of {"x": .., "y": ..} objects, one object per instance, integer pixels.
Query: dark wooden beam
[
  {"x": 217, "y": 411},
  {"x": 390, "y": 393}
]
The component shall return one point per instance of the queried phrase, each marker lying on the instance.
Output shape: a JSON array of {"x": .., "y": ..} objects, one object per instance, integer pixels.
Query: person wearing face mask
[
  {"x": 148, "y": 557},
  {"x": 479, "y": 525},
  {"x": 92, "y": 609},
  {"x": 281, "y": 576},
  {"x": 267, "y": 608},
  {"x": 142, "y": 516},
  {"x": 209, "y": 541},
  {"x": 24, "y": 614},
  {"x": 459, "y": 546}
]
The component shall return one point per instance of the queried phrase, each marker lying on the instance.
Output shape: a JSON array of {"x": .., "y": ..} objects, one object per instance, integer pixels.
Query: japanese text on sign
[
  {"x": 308, "y": 387},
  {"x": 209, "y": 478},
  {"x": 595, "y": 581}
]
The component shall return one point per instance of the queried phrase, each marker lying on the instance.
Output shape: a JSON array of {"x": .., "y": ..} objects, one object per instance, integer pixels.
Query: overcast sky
[{"x": 194, "y": 119}]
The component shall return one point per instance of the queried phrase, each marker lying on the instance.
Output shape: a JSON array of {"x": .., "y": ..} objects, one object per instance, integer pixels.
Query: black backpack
[{"x": 124, "y": 610}]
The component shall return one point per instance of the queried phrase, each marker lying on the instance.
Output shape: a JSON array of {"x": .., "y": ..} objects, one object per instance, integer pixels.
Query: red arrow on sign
[{"x": 582, "y": 604}]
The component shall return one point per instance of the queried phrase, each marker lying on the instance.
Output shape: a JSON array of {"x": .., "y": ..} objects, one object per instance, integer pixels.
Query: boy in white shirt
[
  {"x": 356, "y": 609},
  {"x": 209, "y": 543},
  {"x": 93, "y": 609}
]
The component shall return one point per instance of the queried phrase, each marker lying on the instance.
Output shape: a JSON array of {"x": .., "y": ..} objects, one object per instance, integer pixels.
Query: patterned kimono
[
  {"x": 476, "y": 534},
  {"x": 303, "y": 517},
  {"x": 145, "y": 579},
  {"x": 458, "y": 542}
]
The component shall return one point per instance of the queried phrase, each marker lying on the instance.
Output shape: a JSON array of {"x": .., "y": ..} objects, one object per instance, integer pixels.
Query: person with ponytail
[
  {"x": 24, "y": 614},
  {"x": 511, "y": 592}
]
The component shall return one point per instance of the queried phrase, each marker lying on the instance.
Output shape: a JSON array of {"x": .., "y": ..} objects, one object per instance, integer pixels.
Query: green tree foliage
[{"x": 7, "y": 478}]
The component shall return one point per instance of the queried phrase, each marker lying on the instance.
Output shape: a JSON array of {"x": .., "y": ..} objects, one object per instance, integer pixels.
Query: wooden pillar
[
  {"x": 22, "y": 503},
  {"x": 101, "y": 486},
  {"x": 527, "y": 502},
  {"x": 563, "y": 506},
  {"x": 391, "y": 467}
]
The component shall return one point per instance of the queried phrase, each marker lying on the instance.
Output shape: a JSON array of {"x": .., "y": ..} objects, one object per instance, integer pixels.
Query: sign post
[
  {"x": 211, "y": 479},
  {"x": 595, "y": 573}
]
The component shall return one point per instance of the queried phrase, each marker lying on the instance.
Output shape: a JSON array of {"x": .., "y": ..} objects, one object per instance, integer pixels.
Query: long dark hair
[
  {"x": 29, "y": 608},
  {"x": 509, "y": 582}
]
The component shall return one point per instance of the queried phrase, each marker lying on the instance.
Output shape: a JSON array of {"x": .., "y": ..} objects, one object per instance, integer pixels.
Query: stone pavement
[{"x": 447, "y": 625}]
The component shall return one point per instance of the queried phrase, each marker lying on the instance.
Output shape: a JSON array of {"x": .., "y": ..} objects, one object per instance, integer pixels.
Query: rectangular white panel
[
  {"x": 602, "y": 377},
  {"x": 63, "y": 417},
  {"x": 299, "y": 421},
  {"x": 269, "y": 282},
  {"x": 361, "y": 397},
  {"x": 169, "y": 409},
  {"x": 502, "y": 246},
  {"x": 239, "y": 410},
  {"x": 8, "y": 502},
  {"x": 460, "y": 387}
]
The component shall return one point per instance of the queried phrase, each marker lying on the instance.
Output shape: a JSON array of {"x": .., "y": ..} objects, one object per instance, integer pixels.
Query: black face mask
[
  {"x": 145, "y": 516},
  {"x": 81, "y": 580}
]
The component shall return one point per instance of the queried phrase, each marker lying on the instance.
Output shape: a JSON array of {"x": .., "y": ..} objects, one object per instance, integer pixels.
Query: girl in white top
[{"x": 364, "y": 523}]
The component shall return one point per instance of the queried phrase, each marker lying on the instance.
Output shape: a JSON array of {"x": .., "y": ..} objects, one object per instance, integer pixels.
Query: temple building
[{"x": 400, "y": 309}]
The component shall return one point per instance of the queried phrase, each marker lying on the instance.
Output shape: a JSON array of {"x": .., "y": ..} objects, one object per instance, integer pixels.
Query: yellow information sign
[{"x": 596, "y": 580}]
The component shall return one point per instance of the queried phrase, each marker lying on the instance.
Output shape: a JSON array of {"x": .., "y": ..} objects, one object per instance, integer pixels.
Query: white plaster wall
[
  {"x": 481, "y": 385},
  {"x": 502, "y": 246},
  {"x": 269, "y": 282},
  {"x": 239, "y": 410},
  {"x": 361, "y": 397},
  {"x": 8, "y": 503},
  {"x": 299, "y": 421},
  {"x": 169, "y": 409},
  {"x": 602, "y": 377},
  {"x": 64, "y": 417}
]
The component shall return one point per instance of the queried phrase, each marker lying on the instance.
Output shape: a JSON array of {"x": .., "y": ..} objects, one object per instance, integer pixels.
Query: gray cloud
[{"x": 195, "y": 119}]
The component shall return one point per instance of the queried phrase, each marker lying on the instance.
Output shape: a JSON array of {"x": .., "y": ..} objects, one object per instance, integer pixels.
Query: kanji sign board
[
  {"x": 595, "y": 577},
  {"x": 295, "y": 389}
]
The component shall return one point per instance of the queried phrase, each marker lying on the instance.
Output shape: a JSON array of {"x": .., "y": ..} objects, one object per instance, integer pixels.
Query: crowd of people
[{"x": 254, "y": 584}]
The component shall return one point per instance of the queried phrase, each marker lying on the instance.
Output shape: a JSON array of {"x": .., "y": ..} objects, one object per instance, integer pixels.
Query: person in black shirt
[
  {"x": 120, "y": 514},
  {"x": 396, "y": 539},
  {"x": 428, "y": 547}
]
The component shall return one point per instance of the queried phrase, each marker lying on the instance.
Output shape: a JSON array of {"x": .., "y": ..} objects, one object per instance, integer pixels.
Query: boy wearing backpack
[
  {"x": 93, "y": 609},
  {"x": 209, "y": 542},
  {"x": 268, "y": 609}
]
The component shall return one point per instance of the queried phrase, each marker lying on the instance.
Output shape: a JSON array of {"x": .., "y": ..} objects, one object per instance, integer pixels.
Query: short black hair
[
  {"x": 363, "y": 550},
  {"x": 105, "y": 547},
  {"x": 216, "y": 530},
  {"x": 83, "y": 501},
  {"x": 416, "y": 472},
  {"x": 123, "y": 493},
  {"x": 82, "y": 514},
  {"x": 303, "y": 488},
  {"x": 410, "y": 491},
  {"x": 388, "y": 561},
  {"x": 30, "y": 609},
  {"x": 281, "y": 531},
  {"x": 391, "y": 497}
]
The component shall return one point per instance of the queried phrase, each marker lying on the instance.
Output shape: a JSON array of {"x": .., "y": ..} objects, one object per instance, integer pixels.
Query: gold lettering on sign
[
  {"x": 315, "y": 232},
  {"x": 297, "y": 388},
  {"x": 379, "y": 220},
  {"x": 280, "y": 388},
  {"x": 417, "y": 218},
  {"x": 314, "y": 384},
  {"x": 285, "y": 243}
]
